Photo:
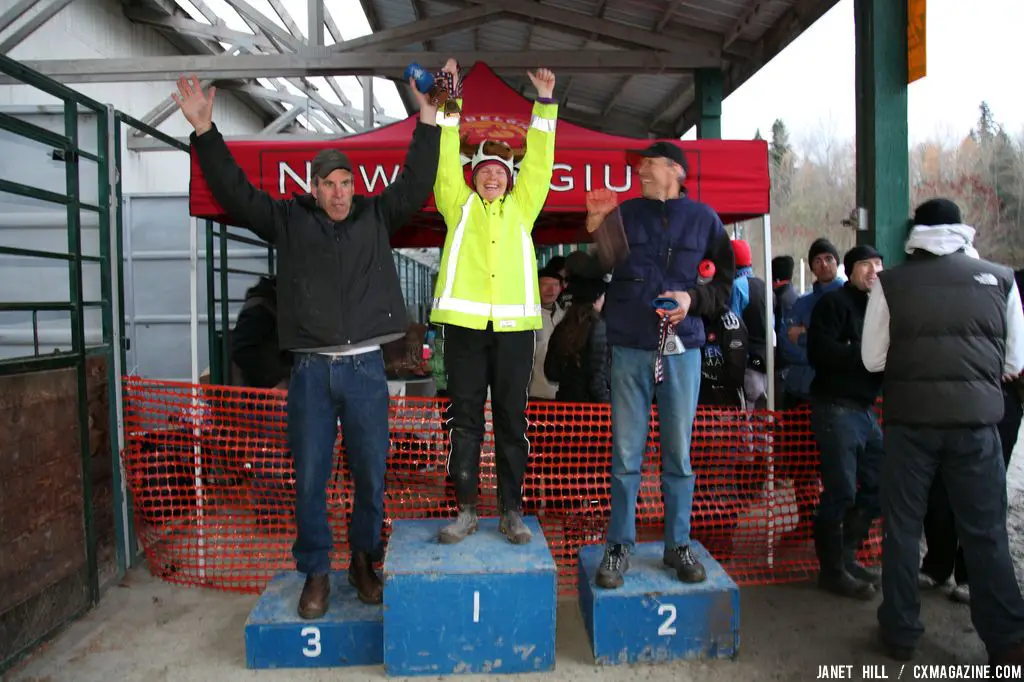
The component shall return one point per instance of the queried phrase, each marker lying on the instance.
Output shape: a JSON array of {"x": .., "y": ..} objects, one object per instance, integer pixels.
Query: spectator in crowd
[
  {"x": 577, "y": 356},
  {"x": 798, "y": 374},
  {"x": 947, "y": 328},
  {"x": 845, "y": 426},
  {"x": 748, "y": 299},
  {"x": 487, "y": 297},
  {"x": 552, "y": 284},
  {"x": 339, "y": 300},
  {"x": 655, "y": 353},
  {"x": 256, "y": 357},
  {"x": 784, "y": 296}
]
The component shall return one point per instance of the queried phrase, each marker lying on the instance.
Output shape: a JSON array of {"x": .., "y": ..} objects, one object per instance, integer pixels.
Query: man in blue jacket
[{"x": 669, "y": 235}]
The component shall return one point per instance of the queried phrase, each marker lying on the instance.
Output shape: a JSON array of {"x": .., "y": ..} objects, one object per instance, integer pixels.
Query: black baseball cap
[
  {"x": 663, "y": 149},
  {"x": 328, "y": 161}
]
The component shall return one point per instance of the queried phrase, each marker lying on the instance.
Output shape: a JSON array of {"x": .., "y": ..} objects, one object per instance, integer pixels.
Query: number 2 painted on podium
[
  {"x": 666, "y": 628},
  {"x": 313, "y": 650}
]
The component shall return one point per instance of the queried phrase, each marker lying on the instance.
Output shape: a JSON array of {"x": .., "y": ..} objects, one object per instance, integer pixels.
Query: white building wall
[{"x": 95, "y": 29}]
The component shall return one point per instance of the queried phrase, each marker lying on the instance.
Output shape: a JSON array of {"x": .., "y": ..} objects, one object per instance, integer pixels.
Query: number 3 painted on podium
[
  {"x": 313, "y": 650},
  {"x": 666, "y": 627}
]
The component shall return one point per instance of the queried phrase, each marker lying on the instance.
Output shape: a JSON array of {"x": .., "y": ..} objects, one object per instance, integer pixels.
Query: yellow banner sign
[{"x": 917, "y": 53}]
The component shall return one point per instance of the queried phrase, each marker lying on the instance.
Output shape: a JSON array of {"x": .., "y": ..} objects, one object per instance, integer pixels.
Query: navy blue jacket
[{"x": 667, "y": 241}]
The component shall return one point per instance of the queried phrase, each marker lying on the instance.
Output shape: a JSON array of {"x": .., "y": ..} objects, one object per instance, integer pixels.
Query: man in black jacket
[
  {"x": 845, "y": 426},
  {"x": 339, "y": 300}
]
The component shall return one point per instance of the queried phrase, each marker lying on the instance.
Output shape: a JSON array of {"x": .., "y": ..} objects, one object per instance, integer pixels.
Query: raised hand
[
  {"x": 428, "y": 111},
  {"x": 544, "y": 81},
  {"x": 600, "y": 203},
  {"x": 196, "y": 106},
  {"x": 452, "y": 67}
]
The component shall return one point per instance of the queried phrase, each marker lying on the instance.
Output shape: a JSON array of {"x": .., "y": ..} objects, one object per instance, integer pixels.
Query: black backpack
[{"x": 723, "y": 360}]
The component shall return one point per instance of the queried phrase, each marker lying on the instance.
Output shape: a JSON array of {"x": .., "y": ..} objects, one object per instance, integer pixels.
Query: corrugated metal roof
[{"x": 745, "y": 33}]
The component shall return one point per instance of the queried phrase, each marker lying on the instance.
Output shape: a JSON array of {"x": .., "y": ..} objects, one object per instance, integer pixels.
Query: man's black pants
[
  {"x": 945, "y": 555},
  {"x": 475, "y": 360},
  {"x": 970, "y": 461}
]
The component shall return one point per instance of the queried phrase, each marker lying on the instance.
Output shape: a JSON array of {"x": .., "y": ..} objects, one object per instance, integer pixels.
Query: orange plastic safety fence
[{"x": 213, "y": 488}]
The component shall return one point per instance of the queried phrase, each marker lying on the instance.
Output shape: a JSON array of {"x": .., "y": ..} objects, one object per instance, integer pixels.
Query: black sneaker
[
  {"x": 688, "y": 569},
  {"x": 613, "y": 565}
]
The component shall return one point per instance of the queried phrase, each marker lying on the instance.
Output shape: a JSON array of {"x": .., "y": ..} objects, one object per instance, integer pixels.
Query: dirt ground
[{"x": 150, "y": 630}]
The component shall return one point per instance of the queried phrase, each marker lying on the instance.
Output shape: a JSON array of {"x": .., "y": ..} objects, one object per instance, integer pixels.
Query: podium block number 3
[
  {"x": 666, "y": 628},
  {"x": 312, "y": 648}
]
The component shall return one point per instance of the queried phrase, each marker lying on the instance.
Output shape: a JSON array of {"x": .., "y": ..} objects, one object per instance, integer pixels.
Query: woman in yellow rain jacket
[{"x": 488, "y": 303}]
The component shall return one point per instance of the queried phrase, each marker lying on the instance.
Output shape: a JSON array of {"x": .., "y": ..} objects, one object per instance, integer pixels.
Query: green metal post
[
  {"x": 78, "y": 339},
  {"x": 708, "y": 87},
  {"x": 225, "y": 352},
  {"x": 883, "y": 156},
  {"x": 211, "y": 307}
]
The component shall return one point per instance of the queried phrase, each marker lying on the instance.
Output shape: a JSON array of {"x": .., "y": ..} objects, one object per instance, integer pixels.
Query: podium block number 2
[
  {"x": 312, "y": 648},
  {"x": 666, "y": 628}
]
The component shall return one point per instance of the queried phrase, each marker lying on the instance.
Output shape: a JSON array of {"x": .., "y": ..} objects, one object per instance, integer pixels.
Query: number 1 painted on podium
[{"x": 476, "y": 606}]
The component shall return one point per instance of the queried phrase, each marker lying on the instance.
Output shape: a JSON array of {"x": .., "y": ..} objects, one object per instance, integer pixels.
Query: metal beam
[
  {"x": 149, "y": 144},
  {"x": 272, "y": 30},
  {"x": 32, "y": 25},
  {"x": 418, "y": 31},
  {"x": 218, "y": 32},
  {"x": 282, "y": 121},
  {"x": 16, "y": 12},
  {"x": 384, "y": 64},
  {"x": 301, "y": 102},
  {"x": 332, "y": 28},
  {"x": 743, "y": 22},
  {"x": 316, "y": 14}
]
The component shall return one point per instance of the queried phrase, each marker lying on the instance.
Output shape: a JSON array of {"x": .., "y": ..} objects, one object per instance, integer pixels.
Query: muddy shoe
[
  {"x": 688, "y": 569},
  {"x": 862, "y": 573},
  {"x": 361, "y": 576},
  {"x": 845, "y": 585},
  {"x": 614, "y": 564},
  {"x": 465, "y": 525},
  {"x": 513, "y": 528},
  {"x": 315, "y": 596}
]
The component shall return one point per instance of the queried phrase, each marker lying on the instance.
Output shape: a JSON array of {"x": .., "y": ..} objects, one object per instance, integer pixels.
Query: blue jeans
[
  {"x": 323, "y": 390},
  {"x": 850, "y": 445},
  {"x": 632, "y": 379}
]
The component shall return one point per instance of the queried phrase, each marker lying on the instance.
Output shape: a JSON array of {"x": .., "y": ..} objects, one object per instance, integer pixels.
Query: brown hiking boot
[
  {"x": 362, "y": 577},
  {"x": 315, "y": 597}
]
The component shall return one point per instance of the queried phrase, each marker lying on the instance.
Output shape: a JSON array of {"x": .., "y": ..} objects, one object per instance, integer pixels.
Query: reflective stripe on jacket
[{"x": 488, "y": 270}]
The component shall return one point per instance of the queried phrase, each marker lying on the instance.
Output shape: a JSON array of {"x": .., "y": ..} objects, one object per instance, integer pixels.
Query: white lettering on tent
[
  {"x": 563, "y": 177},
  {"x": 378, "y": 175},
  {"x": 566, "y": 180},
  {"x": 284, "y": 170},
  {"x": 618, "y": 188}
]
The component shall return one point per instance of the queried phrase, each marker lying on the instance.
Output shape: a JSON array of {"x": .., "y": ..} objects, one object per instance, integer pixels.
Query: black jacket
[
  {"x": 833, "y": 349},
  {"x": 756, "y": 319},
  {"x": 588, "y": 383},
  {"x": 256, "y": 356},
  {"x": 337, "y": 283},
  {"x": 784, "y": 296}
]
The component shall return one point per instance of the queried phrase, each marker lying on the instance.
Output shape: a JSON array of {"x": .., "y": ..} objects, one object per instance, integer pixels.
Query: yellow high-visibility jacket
[{"x": 489, "y": 267}]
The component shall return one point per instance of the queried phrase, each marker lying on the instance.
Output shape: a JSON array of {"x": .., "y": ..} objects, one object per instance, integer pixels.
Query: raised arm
[
  {"x": 250, "y": 207},
  {"x": 450, "y": 189},
  {"x": 411, "y": 189},
  {"x": 533, "y": 181}
]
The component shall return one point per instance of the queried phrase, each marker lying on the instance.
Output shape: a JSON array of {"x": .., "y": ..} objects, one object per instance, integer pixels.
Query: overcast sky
[{"x": 974, "y": 51}]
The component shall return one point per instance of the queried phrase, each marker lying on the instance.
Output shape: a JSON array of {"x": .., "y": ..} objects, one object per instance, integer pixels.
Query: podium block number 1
[
  {"x": 476, "y": 606},
  {"x": 666, "y": 628},
  {"x": 312, "y": 648}
]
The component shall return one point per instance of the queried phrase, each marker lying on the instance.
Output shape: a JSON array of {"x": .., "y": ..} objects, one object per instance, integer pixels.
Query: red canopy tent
[{"x": 729, "y": 175}]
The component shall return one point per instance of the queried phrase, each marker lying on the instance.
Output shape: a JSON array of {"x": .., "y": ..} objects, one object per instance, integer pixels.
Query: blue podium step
[
  {"x": 654, "y": 616},
  {"x": 350, "y": 633},
  {"x": 481, "y": 606}
]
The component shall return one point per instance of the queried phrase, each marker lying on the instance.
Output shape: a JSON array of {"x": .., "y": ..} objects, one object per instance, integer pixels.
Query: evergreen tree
[
  {"x": 757, "y": 135},
  {"x": 781, "y": 164}
]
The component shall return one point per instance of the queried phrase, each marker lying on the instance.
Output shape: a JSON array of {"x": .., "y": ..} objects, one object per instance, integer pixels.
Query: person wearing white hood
[{"x": 947, "y": 328}]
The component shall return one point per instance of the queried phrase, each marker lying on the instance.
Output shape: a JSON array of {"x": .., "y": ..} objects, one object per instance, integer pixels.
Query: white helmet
[{"x": 480, "y": 157}]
